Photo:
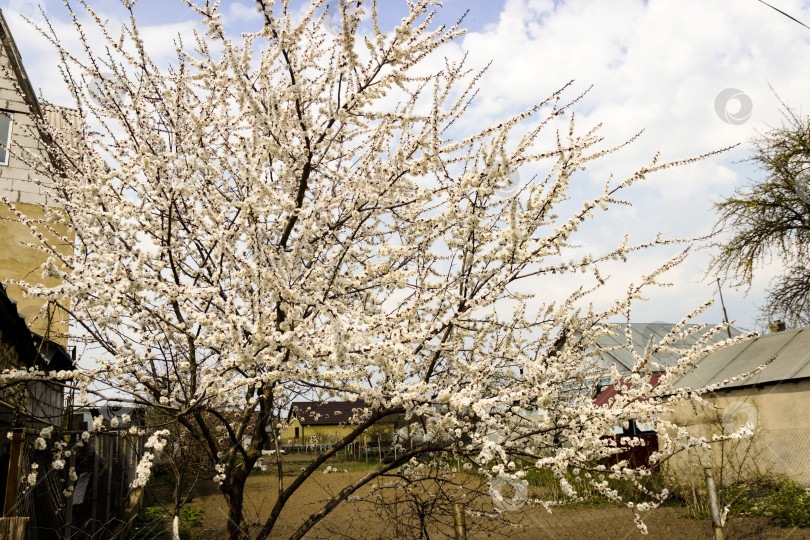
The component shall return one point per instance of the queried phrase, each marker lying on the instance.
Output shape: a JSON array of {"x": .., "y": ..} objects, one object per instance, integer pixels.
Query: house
[
  {"x": 325, "y": 422},
  {"x": 322, "y": 421},
  {"x": 33, "y": 332},
  {"x": 612, "y": 351},
  {"x": 27, "y": 190},
  {"x": 774, "y": 400}
]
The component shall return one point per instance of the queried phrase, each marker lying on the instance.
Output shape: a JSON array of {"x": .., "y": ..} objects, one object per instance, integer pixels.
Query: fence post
[
  {"x": 714, "y": 507},
  {"x": 109, "y": 455},
  {"x": 459, "y": 522},
  {"x": 12, "y": 480},
  {"x": 69, "y": 499},
  {"x": 94, "y": 503}
]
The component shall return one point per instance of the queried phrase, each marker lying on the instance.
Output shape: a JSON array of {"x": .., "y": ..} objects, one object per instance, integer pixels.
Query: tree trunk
[{"x": 234, "y": 496}]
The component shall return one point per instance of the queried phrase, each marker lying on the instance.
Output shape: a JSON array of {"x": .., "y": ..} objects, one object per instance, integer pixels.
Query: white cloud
[{"x": 655, "y": 66}]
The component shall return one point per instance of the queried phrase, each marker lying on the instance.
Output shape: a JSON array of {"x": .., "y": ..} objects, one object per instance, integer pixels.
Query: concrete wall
[{"x": 780, "y": 446}]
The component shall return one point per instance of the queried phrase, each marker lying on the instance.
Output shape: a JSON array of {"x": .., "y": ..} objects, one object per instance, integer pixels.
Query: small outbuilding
[
  {"x": 323, "y": 422},
  {"x": 774, "y": 400}
]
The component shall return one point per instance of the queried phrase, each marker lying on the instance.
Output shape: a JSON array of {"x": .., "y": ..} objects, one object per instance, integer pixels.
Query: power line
[{"x": 785, "y": 14}]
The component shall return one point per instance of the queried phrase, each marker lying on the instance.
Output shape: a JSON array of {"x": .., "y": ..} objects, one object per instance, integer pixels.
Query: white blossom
[{"x": 260, "y": 224}]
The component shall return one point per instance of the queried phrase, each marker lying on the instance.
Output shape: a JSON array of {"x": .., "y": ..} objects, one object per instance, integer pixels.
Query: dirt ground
[{"x": 359, "y": 520}]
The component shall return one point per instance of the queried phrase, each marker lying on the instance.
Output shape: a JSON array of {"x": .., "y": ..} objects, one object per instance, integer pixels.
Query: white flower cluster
[
  {"x": 219, "y": 478},
  {"x": 143, "y": 471}
]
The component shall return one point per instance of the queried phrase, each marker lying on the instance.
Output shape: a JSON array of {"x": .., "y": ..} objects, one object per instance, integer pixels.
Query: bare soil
[{"x": 359, "y": 520}]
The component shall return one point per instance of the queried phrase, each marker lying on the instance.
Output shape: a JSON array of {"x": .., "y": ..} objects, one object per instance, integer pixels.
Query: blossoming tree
[{"x": 299, "y": 214}]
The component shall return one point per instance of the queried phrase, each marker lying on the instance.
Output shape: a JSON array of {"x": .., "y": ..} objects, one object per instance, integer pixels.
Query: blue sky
[{"x": 656, "y": 66}]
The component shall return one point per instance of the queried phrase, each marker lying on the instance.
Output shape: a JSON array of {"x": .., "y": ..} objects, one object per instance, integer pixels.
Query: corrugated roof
[
  {"x": 604, "y": 397},
  {"x": 790, "y": 352},
  {"x": 641, "y": 333},
  {"x": 65, "y": 119}
]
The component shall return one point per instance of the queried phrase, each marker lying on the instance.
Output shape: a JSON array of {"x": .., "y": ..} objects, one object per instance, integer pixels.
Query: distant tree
[{"x": 770, "y": 218}]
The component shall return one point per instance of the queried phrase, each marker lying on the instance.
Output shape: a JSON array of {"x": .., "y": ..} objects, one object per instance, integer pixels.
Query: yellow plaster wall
[
  {"x": 323, "y": 434},
  {"x": 21, "y": 263}
]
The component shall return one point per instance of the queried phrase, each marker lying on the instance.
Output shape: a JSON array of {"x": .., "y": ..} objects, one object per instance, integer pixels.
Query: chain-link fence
[{"x": 769, "y": 453}]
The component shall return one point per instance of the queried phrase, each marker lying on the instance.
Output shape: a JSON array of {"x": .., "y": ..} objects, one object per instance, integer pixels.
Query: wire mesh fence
[{"x": 769, "y": 453}]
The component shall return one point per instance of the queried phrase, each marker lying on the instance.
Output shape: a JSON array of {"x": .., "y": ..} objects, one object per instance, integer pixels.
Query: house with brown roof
[{"x": 325, "y": 422}]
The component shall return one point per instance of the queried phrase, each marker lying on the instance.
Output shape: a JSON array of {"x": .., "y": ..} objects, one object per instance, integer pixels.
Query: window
[
  {"x": 6, "y": 119},
  {"x": 296, "y": 433}
]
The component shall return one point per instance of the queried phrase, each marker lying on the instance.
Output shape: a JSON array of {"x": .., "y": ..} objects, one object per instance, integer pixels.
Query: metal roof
[
  {"x": 641, "y": 333},
  {"x": 789, "y": 352}
]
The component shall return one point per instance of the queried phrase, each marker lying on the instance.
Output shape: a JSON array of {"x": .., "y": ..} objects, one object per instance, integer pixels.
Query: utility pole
[{"x": 722, "y": 303}]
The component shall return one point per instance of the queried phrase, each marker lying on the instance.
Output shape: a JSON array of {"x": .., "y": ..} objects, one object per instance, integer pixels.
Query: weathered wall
[
  {"x": 21, "y": 263},
  {"x": 17, "y": 181},
  {"x": 780, "y": 446}
]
